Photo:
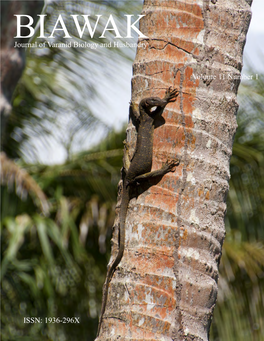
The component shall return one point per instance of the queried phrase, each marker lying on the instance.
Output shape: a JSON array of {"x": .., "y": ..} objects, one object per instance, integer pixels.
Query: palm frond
[{"x": 13, "y": 175}]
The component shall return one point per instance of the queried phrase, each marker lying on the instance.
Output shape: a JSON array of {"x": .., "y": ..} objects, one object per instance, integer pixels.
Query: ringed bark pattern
[{"x": 166, "y": 284}]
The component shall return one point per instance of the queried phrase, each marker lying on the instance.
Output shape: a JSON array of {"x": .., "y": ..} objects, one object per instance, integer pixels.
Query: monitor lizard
[{"x": 139, "y": 169}]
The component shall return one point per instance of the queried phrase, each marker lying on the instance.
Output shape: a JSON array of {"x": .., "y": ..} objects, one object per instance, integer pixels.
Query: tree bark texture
[
  {"x": 13, "y": 59},
  {"x": 165, "y": 287}
]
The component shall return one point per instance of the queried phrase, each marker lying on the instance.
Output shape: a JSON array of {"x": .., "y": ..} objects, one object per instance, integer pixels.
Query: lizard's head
[{"x": 150, "y": 104}]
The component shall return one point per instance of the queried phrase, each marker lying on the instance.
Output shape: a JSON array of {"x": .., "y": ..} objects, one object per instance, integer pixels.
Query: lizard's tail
[{"x": 122, "y": 237}]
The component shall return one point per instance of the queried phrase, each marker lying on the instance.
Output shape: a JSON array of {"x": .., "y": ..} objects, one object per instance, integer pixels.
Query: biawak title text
[{"x": 61, "y": 28}]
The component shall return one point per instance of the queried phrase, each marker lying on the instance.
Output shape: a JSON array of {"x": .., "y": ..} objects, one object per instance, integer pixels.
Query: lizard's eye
[{"x": 153, "y": 109}]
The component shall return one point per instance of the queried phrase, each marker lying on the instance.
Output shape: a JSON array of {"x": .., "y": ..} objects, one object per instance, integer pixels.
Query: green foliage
[
  {"x": 47, "y": 272},
  {"x": 55, "y": 266}
]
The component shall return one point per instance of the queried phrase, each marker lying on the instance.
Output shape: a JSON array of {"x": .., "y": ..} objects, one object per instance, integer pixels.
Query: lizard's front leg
[{"x": 169, "y": 166}]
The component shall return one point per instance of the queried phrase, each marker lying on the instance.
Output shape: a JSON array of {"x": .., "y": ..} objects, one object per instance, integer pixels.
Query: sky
[
  {"x": 257, "y": 16},
  {"x": 255, "y": 37}
]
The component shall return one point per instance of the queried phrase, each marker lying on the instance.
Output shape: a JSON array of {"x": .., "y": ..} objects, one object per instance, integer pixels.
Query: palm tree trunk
[
  {"x": 12, "y": 59},
  {"x": 165, "y": 287}
]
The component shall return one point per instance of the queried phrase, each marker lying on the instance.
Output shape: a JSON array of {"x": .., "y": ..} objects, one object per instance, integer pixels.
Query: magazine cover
[{"x": 132, "y": 191}]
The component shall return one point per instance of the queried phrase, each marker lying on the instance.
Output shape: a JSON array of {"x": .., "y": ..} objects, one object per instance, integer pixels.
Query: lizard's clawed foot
[
  {"x": 171, "y": 94},
  {"x": 170, "y": 166}
]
